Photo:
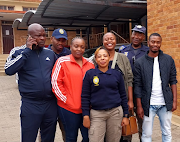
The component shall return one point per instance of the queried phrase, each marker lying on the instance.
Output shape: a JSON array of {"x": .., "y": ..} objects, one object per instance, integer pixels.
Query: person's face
[
  {"x": 102, "y": 58},
  {"x": 40, "y": 37},
  {"x": 137, "y": 38},
  {"x": 77, "y": 48},
  {"x": 109, "y": 41},
  {"x": 154, "y": 44},
  {"x": 58, "y": 44}
]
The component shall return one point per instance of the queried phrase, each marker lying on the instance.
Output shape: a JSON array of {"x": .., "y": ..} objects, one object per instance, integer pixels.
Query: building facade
[
  {"x": 163, "y": 17},
  {"x": 9, "y": 11}
]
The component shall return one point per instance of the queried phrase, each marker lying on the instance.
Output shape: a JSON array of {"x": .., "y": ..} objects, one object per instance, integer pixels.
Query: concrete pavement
[{"x": 10, "y": 120}]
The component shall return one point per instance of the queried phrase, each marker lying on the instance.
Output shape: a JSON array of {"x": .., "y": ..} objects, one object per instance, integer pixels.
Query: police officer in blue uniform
[
  {"x": 134, "y": 51},
  {"x": 58, "y": 40}
]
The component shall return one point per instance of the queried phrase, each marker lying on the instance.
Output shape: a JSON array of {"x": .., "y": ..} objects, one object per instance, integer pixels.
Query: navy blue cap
[
  {"x": 59, "y": 33},
  {"x": 139, "y": 28}
]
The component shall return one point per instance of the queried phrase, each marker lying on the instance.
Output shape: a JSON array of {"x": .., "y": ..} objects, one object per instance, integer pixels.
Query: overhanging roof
[{"x": 81, "y": 14}]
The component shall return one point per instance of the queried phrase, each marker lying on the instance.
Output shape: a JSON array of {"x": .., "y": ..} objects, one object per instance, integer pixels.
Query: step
[
  {"x": 2, "y": 70},
  {"x": 2, "y": 60},
  {"x": 2, "y": 64},
  {"x": 2, "y": 73},
  {"x": 4, "y": 56}
]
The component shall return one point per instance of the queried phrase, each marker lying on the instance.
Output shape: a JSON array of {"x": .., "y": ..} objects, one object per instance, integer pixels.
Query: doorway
[{"x": 8, "y": 38}]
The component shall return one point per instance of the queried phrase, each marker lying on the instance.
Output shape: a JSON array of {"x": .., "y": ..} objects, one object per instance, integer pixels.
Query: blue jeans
[
  {"x": 165, "y": 123},
  {"x": 72, "y": 122}
]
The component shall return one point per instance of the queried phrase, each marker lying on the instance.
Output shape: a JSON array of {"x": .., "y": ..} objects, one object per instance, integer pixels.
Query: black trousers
[{"x": 35, "y": 116}]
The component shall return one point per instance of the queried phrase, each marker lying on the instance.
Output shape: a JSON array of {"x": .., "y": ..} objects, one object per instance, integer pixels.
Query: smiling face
[
  {"x": 109, "y": 41},
  {"x": 77, "y": 48},
  {"x": 137, "y": 38},
  {"x": 154, "y": 44},
  {"x": 102, "y": 58}
]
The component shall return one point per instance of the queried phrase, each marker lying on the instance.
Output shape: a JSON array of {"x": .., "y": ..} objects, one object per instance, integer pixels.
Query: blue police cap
[
  {"x": 59, "y": 33},
  {"x": 139, "y": 28}
]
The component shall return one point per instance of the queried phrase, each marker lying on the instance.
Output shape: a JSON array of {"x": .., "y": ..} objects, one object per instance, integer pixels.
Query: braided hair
[{"x": 77, "y": 37}]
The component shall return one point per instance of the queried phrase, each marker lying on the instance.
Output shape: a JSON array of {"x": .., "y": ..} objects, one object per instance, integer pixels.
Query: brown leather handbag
[{"x": 131, "y": 128}]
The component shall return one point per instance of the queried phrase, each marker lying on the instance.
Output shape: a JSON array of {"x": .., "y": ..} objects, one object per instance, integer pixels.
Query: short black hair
[{"x": 155, "y": 34}]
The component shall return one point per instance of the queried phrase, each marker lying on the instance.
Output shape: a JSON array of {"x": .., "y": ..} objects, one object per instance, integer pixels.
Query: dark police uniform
[
  {"x": 64, "y": 52},
  {"x": 103, "y": 90},
  {"x": 105, "y": 93},
  {"x": 133, "y": 54}
]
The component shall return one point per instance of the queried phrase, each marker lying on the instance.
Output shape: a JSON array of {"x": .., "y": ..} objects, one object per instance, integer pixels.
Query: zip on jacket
[
  {"x": 67, "y": 79},
  {"x": 34, "y": 71}
]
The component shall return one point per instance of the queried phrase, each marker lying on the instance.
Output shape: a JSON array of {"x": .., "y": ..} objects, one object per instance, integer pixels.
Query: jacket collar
[
  {"x": 151, "y": 58},
  {"x": 73, "y": 60},
  {"x": 141, "y": 48},
  {"x": 60, "y": 54},
  {"x": 109, "y": 71}
]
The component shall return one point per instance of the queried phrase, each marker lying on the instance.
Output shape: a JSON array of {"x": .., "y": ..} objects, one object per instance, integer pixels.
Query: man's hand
[
  {"x": 174, "y": 91},
  {"x": 140, "y": 112},
  {"x": 30, "y": 41},
  {"x": 174, "y": 107},
  {"x": 86, "y": 121},
  {"x": 130, "y": 105},
  {"x": 125, "y": 121}
]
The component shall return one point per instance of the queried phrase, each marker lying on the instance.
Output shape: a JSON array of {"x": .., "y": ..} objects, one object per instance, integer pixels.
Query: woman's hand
[
  {"x": 130, "y": 105},
  {"x": 86, "y": 121},
  {"x": 125, "y": 121}
]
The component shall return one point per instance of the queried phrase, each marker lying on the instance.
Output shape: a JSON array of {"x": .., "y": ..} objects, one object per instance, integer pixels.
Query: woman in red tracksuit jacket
[{"x": 67, "y": 79}]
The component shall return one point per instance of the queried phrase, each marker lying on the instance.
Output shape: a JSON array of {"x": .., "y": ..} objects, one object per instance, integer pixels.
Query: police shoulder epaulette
[{"x": 122, "y": 47}]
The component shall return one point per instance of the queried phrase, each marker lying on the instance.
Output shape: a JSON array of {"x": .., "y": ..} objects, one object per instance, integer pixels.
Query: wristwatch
[{"x": 126, "y": 115}]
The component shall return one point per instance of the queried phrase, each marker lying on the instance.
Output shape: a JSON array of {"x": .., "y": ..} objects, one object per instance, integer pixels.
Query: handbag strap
[
  {"x": 131, "y": 112},
  {"x": 114, "y": 60}
]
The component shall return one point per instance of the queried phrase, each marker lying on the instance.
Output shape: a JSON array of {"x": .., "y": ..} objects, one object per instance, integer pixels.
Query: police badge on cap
[
  {"x": 61, "y": 31},
  {"x": 139, "y": 28}
]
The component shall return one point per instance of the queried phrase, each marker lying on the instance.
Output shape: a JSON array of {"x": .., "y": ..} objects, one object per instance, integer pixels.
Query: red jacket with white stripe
[{"x": 67, "y": 79}]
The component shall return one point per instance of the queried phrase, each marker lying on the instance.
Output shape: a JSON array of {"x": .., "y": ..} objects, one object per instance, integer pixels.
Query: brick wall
[
  {"x": 1, "y": 39},
  {"x": 164, "y": 18},
  {"x": 19, "y": 37}
]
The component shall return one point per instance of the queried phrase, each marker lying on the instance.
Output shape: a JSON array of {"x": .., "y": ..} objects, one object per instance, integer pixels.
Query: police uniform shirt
[
  {"x": 103, "y": 90},
  {"x": 64, "y": 52},
  {"x": 132, "y": 56}
]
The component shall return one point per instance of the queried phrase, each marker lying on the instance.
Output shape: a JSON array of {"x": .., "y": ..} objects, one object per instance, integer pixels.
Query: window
[
  {"x": 47, "y": 31},
  {"x": 29, "y": 8},
  {"x": 3, "y": 7},
  {"x": 10, "y": 8}
]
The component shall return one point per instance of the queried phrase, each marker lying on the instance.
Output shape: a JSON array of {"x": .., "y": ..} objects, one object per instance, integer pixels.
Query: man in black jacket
[{"x": 155, "y": 89}]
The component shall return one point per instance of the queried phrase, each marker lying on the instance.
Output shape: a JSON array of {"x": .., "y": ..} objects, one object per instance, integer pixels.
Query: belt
[{"x": 108, "y": 109}]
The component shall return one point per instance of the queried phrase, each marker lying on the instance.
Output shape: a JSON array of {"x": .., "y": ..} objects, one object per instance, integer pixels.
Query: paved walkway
[{"x": 10, "y": 122}]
